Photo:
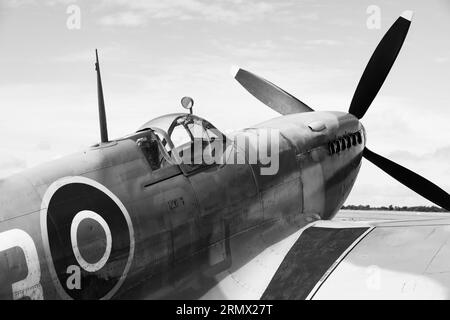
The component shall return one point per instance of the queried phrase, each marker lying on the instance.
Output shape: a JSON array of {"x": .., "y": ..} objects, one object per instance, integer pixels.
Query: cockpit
[{"x": 180, "y": 139}]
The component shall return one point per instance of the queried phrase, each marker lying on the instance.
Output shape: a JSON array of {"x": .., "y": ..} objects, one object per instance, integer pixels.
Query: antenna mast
[{"x": 101, "y": 103}]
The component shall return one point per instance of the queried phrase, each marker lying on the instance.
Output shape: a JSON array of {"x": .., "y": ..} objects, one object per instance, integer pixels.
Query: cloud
[
  {"x": 138, "y": 12},
  {"x": 111, "y": 52},
  {"x": 22, "y": 3},
  {"x": 443, "y": 154},
  {"x": 323, "y": 42},
  {"x": 254, "y": 50},
  {"x": 59, "y": 2},
  {"x": 440, "y": 154},
  {"x": 441, "y": 59},
  {"x": 17, "y": 3},
  {"x": 43, "y": 146},
  {"x": 313, "y": 16},
  {"x": 126, "y": 19}
]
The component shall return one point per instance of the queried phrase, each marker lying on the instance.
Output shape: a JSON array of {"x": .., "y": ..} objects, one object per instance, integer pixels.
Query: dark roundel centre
[{"x": 91, "y": 239}]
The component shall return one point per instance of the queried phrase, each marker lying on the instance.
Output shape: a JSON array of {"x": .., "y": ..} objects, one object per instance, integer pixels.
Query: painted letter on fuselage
[{"x": 29, "y": 287}]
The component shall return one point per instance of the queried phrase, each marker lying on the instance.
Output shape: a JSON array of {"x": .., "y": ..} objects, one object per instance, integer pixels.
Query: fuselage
[{"x": 103, "y": 224}]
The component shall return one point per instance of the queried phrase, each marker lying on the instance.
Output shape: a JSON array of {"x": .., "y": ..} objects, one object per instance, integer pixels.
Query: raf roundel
[{"x": 88, "y": 238}]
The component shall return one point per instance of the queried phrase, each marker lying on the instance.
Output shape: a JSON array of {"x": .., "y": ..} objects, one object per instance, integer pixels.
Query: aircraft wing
[{"x": 401, "y": 256}]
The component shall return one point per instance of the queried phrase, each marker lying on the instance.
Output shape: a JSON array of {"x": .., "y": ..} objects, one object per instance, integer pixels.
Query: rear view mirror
[{"x": 187, "y": 103}]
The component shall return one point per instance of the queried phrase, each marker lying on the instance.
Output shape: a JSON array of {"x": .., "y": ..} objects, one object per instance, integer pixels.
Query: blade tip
[
  {"x": 408, "y": 15},
  {"x": 234, "y": 70}
]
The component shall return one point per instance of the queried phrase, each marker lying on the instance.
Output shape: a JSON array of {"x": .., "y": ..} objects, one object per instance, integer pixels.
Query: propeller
[
  {"x": 368, "y": 87},
  {"x": 269, "y": 94},
  {"x": 410, "y": 179},
  {"x": 379, "y": 65},
  {"x": 370, "y": 83}
]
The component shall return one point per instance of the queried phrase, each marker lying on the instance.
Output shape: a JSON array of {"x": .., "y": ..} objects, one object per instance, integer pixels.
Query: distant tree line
[{"x": 395, "y": 208}]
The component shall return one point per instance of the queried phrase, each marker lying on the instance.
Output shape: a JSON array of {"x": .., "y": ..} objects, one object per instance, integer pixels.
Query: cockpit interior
[{"x": 179, "y": 139}]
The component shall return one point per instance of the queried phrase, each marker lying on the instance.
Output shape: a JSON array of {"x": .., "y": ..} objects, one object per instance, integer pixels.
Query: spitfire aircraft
[{"x": 178, "y": 209}]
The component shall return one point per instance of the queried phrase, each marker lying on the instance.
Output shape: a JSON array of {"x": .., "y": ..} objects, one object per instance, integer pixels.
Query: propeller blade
[
  {"x": 379, "y": 65},
  {"x": 269, "y": 94},
  {"x": 410, "y": 179}
]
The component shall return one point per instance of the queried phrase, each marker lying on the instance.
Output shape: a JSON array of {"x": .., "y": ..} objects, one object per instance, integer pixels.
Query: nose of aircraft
[
  {"x": 330, "y": 162},
  {"x": 323, "y": 150}
]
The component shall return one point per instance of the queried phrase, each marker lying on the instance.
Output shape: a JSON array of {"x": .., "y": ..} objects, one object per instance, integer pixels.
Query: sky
[{"x": 153, "y": 52}]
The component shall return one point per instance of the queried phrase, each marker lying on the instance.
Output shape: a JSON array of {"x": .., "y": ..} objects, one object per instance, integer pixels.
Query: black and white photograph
[{"x": 237, "y": 152}]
